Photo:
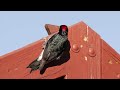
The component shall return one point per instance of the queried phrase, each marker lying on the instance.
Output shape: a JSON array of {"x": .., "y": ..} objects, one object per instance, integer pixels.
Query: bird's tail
[{"x": 36, "y": 65}]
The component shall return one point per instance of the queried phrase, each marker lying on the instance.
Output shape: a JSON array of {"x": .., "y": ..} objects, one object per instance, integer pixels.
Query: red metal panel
[
  {"x": 94, "y": 54},
  {"x": 13, "y": 65},
  {"x": 77, "y": 66},
  {"x": 110, "y": 62},
  {"x": 51, "y": 28},
  {"x": 81, "y": 64}
]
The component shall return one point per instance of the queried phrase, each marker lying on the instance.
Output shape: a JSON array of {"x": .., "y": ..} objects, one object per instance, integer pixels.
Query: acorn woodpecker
[{"x": 53, "y": 49}]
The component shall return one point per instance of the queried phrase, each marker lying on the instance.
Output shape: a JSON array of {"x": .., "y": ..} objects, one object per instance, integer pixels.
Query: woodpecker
[{"x": 53, "y": 49}]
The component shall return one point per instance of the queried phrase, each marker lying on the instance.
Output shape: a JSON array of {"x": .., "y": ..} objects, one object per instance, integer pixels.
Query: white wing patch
[
  {"x": 44, "y": 45},
  {"x": 41, "y": 55}
]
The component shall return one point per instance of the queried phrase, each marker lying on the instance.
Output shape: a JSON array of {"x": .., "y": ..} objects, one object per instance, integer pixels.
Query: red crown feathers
[{"x": 64, "y": 27}]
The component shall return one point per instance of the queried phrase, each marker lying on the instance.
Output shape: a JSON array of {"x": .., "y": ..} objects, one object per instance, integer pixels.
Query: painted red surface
[{"x": 90, "y": 58}]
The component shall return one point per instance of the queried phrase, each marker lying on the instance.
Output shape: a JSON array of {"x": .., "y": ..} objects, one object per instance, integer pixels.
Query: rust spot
[
  {"x": 85, "y": 58},
  {"x": 118, "y": 75},
  {"x": 85, "y": 39},
  {"x": 110, "y": 62},
  {"x": 81, "y": 46},
  {"x": 8, "y": 70},
  {"x": 16, "y": 69},
  {"x": 117, "y": 62}
]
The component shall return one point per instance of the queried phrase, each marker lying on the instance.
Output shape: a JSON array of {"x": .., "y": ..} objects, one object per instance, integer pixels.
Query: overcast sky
[{"x": 20, "y": 28}]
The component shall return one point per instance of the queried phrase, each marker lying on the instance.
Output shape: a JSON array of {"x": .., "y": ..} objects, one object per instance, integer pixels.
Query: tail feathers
[{"x": 36, "y": 65}]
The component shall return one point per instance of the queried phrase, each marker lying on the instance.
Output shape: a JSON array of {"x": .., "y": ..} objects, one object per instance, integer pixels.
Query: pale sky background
[{"x": 20, "y": 28}]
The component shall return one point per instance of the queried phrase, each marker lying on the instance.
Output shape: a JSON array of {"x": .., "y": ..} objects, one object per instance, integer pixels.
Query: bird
[{"x": 53, "y": 49}]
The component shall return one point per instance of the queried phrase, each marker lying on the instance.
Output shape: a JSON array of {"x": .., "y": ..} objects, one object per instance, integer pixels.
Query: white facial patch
[{"x": 41, "y": 55}]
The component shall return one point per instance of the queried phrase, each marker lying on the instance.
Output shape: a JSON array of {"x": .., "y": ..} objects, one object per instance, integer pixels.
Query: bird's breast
[{"x": 57, "y": 43}]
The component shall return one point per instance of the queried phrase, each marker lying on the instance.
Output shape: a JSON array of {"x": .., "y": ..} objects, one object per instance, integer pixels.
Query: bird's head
[{"x": 63, "y": 30}]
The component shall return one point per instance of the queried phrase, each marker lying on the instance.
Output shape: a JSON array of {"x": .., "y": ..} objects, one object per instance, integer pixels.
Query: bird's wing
[
  {"x": 47, "y": 44},
  {"x": 50, "y": 40},
  {"x": 46, "y": 39}
]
